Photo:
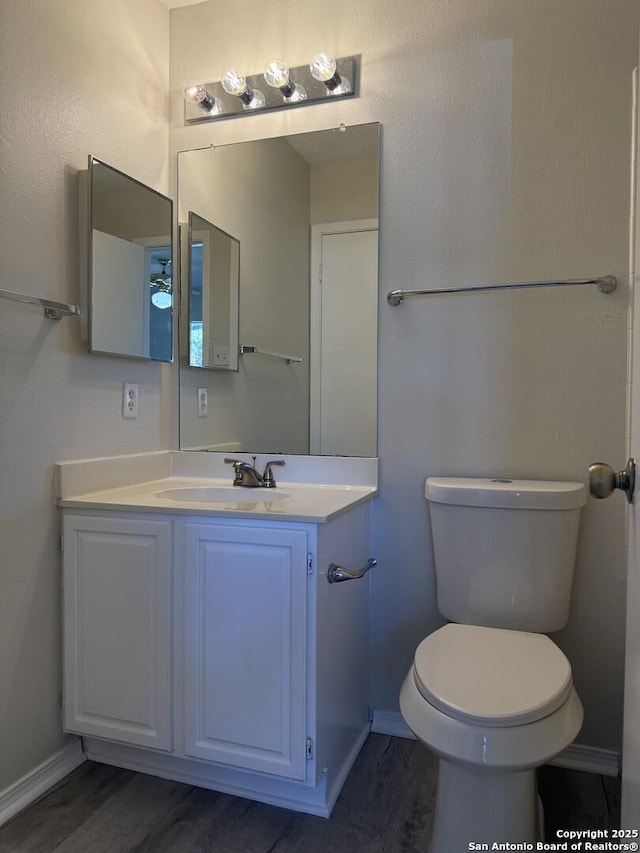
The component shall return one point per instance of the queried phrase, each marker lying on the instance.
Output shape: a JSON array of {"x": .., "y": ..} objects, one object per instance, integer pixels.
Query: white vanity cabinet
[{"x": 214, "y": 651}]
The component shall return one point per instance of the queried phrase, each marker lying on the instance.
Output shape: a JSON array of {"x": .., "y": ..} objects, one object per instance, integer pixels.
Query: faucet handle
[
  {"x": 268, "y": 480},
  {"x": 237, "y": 464}
]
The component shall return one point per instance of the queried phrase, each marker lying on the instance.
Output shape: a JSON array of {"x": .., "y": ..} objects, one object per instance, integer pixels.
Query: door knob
[{"x": 603, "y": 480}]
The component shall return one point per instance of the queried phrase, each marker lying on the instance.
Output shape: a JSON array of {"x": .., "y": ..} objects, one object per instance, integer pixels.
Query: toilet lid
[{"x": 491, "y": 676}]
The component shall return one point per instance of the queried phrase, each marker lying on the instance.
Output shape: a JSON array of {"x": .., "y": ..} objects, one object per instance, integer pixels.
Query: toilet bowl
[
  {"x": 494, "y": 705},
  {"x": 489, "y": 693}
]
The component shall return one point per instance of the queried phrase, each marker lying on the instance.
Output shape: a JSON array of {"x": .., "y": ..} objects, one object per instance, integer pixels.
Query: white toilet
[{"x": 489, "y": 693}]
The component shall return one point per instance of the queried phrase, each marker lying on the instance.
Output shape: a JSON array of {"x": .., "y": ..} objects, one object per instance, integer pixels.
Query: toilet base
[{"x": 483, "y": 805}]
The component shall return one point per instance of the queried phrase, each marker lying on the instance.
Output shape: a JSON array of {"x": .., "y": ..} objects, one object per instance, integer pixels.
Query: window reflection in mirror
[
  {"x": 304, "y": 209},
  {"x": 129, "y": 266},
  {"x": 213, "y": 285}
]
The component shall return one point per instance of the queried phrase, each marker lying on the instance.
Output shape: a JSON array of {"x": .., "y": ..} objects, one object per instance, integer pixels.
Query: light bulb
[
  {"x": 235, "y": 84},
  {"x": 198, "y": 93},
  {"x": 161, "y": 299},
  {"x": 276, "y": 74},
  {"x": 323, "y": 68}
]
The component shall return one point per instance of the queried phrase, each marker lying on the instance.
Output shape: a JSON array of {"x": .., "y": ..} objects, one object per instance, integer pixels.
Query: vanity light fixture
[
  {"x": 277, "y": 76},
  {"x": 324, "y": 79}
]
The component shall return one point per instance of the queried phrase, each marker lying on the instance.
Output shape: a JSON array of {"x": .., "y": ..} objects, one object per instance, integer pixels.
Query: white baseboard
[
  {"x": 335, "y": 787},
  {"x": 391, "y": 723},
  {"x": 37, "y": 782},
  {"x": 589, "y": 759}
]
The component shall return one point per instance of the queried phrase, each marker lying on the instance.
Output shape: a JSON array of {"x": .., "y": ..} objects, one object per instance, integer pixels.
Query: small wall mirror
[
  {"x": 213, "y": 283},
  {"x": 130, "y": 262},
  {"x": 304, "y": 210}
]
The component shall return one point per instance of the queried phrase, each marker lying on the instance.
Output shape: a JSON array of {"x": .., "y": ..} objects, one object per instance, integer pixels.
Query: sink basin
[{"x": 222, "y": 494}]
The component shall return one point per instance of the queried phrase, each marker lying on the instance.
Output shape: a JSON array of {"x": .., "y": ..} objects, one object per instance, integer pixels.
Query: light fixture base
[{"x": 316, "y": 91}]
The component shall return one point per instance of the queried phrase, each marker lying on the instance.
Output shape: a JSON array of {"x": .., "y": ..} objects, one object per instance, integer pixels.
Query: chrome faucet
[{"x": 247, "y": 475}]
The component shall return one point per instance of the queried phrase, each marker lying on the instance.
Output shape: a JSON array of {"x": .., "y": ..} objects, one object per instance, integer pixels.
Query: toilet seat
[{"x": 491, "y": 676}]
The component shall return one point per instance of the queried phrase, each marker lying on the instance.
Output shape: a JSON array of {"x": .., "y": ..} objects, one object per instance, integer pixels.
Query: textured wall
[
  {"x": 505, "y": 157},
  {"x": 76, "y": 77}
]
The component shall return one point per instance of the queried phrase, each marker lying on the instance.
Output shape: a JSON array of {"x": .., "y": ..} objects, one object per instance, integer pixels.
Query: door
[
  {"x": 631, "y": 727},
  {"x": 343, "y": 346},
  {"x": 119, "y": 296},
  {"x": 245, "y": 647},
  {"x": 117, "y": 629}
]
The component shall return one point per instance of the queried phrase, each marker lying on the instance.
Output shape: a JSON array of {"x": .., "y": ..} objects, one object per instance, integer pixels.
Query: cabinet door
[
  {"x": 117, "y": 629},
  {"x": 245, "y": 647}
]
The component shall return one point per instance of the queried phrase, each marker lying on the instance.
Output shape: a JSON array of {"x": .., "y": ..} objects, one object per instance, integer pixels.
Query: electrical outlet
[
  {"x": 221, "y": 355},
  {"x": 129, "y": 400},
  {"x": 203, "y": 403}
]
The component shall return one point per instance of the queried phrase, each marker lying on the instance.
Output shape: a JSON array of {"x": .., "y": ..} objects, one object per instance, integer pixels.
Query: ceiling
[{"x": 341, "y": 144}]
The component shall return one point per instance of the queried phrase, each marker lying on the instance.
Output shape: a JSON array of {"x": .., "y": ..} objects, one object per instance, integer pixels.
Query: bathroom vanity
[{"x": 203, "y": 640}]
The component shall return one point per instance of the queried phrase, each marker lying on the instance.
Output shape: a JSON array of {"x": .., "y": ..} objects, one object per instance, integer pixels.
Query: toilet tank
[{"x": 505, "y": 550}]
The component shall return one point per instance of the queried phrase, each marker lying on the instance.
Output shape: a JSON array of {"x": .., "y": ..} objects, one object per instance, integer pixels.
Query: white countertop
[{"x": 287, "y": 502}]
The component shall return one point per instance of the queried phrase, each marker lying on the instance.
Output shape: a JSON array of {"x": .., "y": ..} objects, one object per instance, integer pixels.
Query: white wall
[
  {"x": 505, "y": 157},
  {"x": 344, "y": 191},
  {"x": 76, "y": 77}
]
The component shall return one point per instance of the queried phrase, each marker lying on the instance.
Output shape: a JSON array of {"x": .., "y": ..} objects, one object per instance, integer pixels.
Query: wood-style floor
[{"x": 385, "y": 807}]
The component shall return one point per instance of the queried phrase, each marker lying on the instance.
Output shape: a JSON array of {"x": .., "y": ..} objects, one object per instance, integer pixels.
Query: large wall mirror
[
  {"x": 130, "y": 259},
  {"x": 303, "y": 212}
]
